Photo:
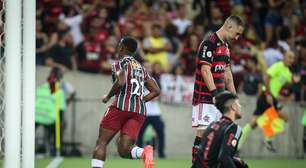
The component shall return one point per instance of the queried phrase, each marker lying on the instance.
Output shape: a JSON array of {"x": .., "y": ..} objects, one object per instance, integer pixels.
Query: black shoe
[{"x": 269, "y": 145}]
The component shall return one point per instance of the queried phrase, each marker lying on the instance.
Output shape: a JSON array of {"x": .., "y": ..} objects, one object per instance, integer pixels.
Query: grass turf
[{"x": 167, "y": 163}]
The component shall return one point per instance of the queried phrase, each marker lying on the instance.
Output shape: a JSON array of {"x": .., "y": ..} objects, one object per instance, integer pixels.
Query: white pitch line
[{"x": 55, "y": 162}]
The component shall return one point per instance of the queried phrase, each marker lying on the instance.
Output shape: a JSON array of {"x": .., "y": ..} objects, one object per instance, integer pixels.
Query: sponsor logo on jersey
[{"x": 219, "y": 67}]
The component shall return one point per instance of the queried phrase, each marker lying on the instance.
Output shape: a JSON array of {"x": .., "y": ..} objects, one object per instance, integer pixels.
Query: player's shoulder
[
  {"x": 209, "y": 42},
  {"x": 232, "y": 127},
  {"x": 211, "y": 39}
]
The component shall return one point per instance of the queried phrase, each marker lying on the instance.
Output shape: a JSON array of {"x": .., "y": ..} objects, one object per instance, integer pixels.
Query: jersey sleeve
[
  {"x": 116, "y": 67},
  {"x": 206, "y": 53},
  {"x": 229, "y": 144},
  {"x": 147, "y": 76}
]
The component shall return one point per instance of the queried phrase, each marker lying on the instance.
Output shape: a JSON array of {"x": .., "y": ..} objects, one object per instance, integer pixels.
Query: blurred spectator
[
  {"x": 157, "y": 47},
  {"x": 239, "y": 54},
  {"x": 273, "y": 19},
  {"x": 73, "y": 17},
  {"x": 301, "y": 29},
  {"x": 41, "y": 44},
  {"x": 188, "y": 58},
  {"x": 252, "y": 78},
  {"x": 285, "y": 39},
  {"x": 300, "y": 69},
  {"x": 216, "y": 19},
  {"x": 181, "y": 22},
  {"x": 177, "y": 46},
  {"x": 88, "y": 54},
  {"x": 272, "y": 53},
  {"x": 61, "y": 54},
  {"x": 108, "y": 54}
]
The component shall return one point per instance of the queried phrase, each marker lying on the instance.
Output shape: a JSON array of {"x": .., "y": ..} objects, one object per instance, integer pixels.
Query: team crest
[
  {"x": 234, "y": 142},
  {"x": 209, "y": 53}
]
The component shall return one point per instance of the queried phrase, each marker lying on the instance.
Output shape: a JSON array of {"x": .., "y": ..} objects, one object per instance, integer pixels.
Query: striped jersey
[
  {"x": 130, "y": 97},
  {"x": 219, "y": 145},
  {"x": 215, "y": 53}
]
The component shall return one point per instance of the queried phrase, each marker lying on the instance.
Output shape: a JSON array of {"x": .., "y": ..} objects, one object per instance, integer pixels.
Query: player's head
[
  {"x": 288, "y": 58},
  {"x": 228, "y": 104},
  {"x": 127, "y": 46},
  {"x": 234, "y": 27}
]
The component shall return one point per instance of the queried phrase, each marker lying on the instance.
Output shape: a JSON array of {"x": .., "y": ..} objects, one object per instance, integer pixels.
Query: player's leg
[
  {"x": 99, "y": 154},
  {"x": 142, "y": 131},
  {"x": 109, "y": 126},
  {"x": 197, "y": 111},
  {"x": 128, "y": 136},
  {"x": 202, "y": 116},
  {"x": 247, "y": 129},
  {"x": 159, "y": 128},
  {"x": 261, "y": 106}
]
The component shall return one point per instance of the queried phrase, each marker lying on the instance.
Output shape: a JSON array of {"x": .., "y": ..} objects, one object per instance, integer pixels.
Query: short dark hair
[
  {"x": 222, "y": 99},
  {"x": 130, "y": 44},
  {"x": 237, "y": 20}
]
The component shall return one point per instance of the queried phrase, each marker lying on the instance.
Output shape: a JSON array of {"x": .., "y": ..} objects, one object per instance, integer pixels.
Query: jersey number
[{"x": 137, "y": 90}]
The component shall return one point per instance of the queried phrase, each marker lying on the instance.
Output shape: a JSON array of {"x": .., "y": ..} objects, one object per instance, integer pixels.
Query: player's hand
[
  {"x": 240, "y": 163},
  {"x": 105, "y": 99}
]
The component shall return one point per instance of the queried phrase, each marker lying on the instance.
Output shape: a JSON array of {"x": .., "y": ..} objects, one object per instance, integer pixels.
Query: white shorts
[{"x": 204, "y": 114}]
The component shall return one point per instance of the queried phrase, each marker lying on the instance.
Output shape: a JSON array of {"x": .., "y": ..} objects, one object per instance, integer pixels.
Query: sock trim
[{"x": 97, "y": 163}]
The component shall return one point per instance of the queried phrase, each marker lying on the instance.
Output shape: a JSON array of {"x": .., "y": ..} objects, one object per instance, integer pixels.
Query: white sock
[
  {"x": 136, "y": 152},
  {"x": 97, "y": 163}
]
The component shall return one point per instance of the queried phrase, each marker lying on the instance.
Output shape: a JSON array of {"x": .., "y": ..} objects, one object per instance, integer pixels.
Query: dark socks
[{"x": 195, "y": 148}]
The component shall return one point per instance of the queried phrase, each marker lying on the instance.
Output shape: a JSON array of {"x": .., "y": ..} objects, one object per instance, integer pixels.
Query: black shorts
[{"x": 262, "y": 105}]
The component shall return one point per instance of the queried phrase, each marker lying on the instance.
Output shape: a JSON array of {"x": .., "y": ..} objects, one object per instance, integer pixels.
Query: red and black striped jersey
[
  {"x": 215, "y": 53},
  {"x": 130, "y": 97},
  {"x": 219, "y": 145}
]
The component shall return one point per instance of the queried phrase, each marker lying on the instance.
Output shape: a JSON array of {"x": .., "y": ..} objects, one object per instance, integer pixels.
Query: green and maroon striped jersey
[{"x": 130, "y": 97}]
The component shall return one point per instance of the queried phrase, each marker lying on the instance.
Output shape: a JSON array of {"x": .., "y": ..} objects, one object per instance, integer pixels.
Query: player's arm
[
  {"x": 229, "y": 82},
  {"x": 206, "y": 58},
  {"x": 154, "y": 89},
  {"x": 119, "y": 83},
  {"x": 227, "y": 148}
]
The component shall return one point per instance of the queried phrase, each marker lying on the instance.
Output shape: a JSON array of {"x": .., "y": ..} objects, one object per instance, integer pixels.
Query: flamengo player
[
  {"x": 127, "y": 113},
  {"x": 213, "y": 75}
]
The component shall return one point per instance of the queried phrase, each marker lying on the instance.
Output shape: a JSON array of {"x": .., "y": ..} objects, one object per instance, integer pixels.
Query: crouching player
[{"x": 219, "y": 142}]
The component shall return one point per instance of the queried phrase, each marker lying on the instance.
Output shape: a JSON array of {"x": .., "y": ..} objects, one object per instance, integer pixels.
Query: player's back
[
  {"x": 130, "y": 97},
  {"x": 212, "y": 143}
]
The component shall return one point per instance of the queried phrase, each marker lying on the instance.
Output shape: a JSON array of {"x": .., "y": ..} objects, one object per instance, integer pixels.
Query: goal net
[{"x": 2, "y": 77}]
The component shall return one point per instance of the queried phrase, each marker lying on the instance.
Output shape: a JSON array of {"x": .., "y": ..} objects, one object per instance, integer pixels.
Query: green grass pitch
[{"x": 166, "y": 163}]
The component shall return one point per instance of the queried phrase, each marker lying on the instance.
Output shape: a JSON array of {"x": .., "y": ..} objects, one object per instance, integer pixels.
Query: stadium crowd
[{"x": 82, "y": 35}]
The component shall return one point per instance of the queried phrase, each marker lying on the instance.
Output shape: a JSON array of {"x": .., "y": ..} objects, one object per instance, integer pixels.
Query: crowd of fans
[{"x": 83, "y": 34}]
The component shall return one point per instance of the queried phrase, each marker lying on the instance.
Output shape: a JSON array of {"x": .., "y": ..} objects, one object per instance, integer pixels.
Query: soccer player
[
  {"x": 277, "y": 76},
  {"x": 220, "y": 139},
  {"x": 127, "y": 112},
  {"x": 213, "y": 75}
]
